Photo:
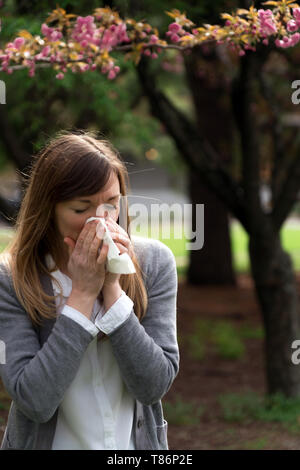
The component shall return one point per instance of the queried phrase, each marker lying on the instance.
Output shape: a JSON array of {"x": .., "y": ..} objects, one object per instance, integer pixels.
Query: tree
[
  {"x": 86, "y": 43},
  {"x": 211, "y": 265}
]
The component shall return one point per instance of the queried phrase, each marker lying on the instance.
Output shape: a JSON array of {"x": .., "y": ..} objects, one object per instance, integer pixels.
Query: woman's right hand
[{"x": 85, "y": 265}]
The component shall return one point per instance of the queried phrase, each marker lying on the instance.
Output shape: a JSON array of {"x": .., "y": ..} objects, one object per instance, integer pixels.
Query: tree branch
[
  {"x": 11, "y": 142},
  {"x": 288, "y": 195},
  {"x": 196, "y": 151},
  {"x": 242, "y": 103}
]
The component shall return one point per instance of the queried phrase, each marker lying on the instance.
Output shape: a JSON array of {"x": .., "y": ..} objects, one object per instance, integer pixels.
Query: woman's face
[{"x": 70, "y": 216}]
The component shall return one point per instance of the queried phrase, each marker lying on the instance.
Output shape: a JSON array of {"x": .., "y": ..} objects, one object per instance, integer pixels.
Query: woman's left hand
[{"x": 123, "y": 242}]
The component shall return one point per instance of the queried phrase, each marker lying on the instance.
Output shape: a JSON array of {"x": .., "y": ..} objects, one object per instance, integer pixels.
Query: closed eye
[{"x": 107, "y": 207}]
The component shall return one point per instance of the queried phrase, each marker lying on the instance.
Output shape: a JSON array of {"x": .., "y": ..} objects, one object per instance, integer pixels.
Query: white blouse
[{"x": 97, "y": 410}]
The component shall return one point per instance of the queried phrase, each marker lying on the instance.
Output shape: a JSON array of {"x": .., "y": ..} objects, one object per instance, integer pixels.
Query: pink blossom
[
  {"x": 153, "y": 39},
  {"x": 288, "y": 41},
  {"x": 147, "y": 52},
  {"x": 295, "y": 38},
  {"x": 59, "y": 76},
  {"x": 85, "y": 30},
  {"x": 111, "y": 75},
  {"x": 19, "y": 42},
  {"x": 56, "y": 35},
  {"x": 241, "y": 53},
  {"x": 175, "y": 38},
  {"x": 283, "y": 43},
  {"x": 45, "y": 51},
  {"x": 267, "y": 22},
  {"x": 50, "y": 33},
  {"x": 279, "y": 42},
  {"x": 249, "y": 47},
  {"x": 292, "y": 26},
  {"x": 111, "y": 39},
  {"x": 45, "y": 28},
  {"x": 296, "y": 14},
  {"x": 174, "y": 27},
  {"x": 154, "y": 55},
  {"x": 111, "y": 69}
]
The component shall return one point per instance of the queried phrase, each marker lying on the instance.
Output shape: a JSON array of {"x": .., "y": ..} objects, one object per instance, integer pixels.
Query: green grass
[
  {"x": 5, "y": 237},
  {"x": 226, "y": 340},
  {"x": 239, "y": 241},
  {"x": 177, "y": 245},
  {"x": 260, "y": 443},
  {"x": 250, "y": 406},
  {"x": 182, "y": 412}
]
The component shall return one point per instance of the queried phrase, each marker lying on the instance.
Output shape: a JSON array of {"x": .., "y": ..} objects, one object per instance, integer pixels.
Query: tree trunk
[
  {"x": 277, "y": 293},
  {"x": 212, "y": 264}
]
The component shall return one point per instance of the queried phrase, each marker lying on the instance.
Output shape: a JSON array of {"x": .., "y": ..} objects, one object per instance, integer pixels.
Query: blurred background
[{"x": 167, "y": 117}]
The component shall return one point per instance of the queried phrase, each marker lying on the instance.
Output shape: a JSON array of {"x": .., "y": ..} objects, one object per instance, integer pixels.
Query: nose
[{"x": 102, "y": 211}]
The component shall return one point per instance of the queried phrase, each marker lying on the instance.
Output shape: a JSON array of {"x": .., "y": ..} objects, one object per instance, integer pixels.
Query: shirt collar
[{"x": 64, "y": 280}]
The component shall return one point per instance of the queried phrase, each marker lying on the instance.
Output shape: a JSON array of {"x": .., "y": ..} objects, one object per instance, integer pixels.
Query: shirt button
[{"x": 140, "y": 422}]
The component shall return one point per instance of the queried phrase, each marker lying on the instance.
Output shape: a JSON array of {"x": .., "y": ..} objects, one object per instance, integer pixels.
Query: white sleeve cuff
[
  {"x": 115, "y": 315},
  {"x": 81, "y": 319}
]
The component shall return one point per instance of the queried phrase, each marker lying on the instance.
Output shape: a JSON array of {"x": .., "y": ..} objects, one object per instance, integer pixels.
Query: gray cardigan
[{"x": 42, "y": 362}]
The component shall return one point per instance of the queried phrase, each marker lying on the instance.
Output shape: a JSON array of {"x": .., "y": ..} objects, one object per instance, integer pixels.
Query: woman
[{"x": 89, "y": 354}]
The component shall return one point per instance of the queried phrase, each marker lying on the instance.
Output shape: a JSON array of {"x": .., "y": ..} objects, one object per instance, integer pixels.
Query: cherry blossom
[
  {"x": 87, "y": 43},
  {"x": 267, "y": 23}
]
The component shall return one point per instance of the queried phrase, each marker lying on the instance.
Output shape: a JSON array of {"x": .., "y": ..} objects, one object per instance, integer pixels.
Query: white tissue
[{"x": 115, "y": 263}]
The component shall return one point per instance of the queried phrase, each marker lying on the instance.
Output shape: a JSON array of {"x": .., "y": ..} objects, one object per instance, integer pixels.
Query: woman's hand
[
  {"x": 123, "y": 242},
  {"x": 85, "y": 265}
]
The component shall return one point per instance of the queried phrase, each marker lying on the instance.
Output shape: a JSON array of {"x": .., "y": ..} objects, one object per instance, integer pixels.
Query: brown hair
[{"x": 69, "y": 165}]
